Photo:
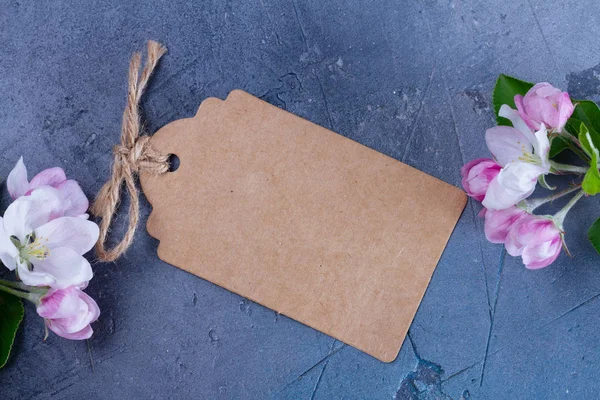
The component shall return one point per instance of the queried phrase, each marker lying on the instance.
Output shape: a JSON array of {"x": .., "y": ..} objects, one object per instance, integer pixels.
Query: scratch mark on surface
[
  {"x": 412, "y": 344},
  {"x": 480, "y": 234},
  {"x": 89, "y": 347},
  {"x": 471, "y": 366},
  {"x": 478, "y": 227},
  {"x": 493, "y": 313},
  {"x": 312, "y": 396},
  {"x": 331, "y": 123},
  {"x": 590, "y": 300},
  {"x": 424, "y": 382},
  {"x": 413, "y": 126},
  {"x": 214, "y": 57},
  {"x": 155, "y": 87},
  {"x": 537, "y": 22},
  {"x": 273, "y": 27},
  {"x": 112, "y": 353},
  {"x": 454, "y": 124},
  {"x": 512, "y": 345},
  {"x": 399, "y": 254},
  {"x": 322, "y": 360},
  {"x": 57, "y": 391},
  {"x": 300, "y": 25}
]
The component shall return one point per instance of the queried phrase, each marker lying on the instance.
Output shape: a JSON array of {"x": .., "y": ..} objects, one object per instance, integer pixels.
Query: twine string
[{"x": 133, "y": 155}]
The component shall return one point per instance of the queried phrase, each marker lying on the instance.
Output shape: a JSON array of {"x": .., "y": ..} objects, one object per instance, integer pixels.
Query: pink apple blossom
[
  {"x": 477, "y": 175},
  {"x": 74, "y": 201},
  {"x": 499, "y": 222},
  {"x": 69, "y": 312},
  {"x": 536, "y": 239},
  {"x": 46, "y": 251},
  {"x": 545, "y": 105},
  {"x": 523, "y": 155}
]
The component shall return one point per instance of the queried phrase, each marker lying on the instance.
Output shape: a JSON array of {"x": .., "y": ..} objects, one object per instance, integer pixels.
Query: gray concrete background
[{"x": 411, "y": 79}]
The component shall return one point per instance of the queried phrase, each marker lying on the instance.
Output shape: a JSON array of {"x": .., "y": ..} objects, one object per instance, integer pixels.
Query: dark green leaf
[
  {"x": 504, "y": 93},
  {"x": 594, "y": 234},
  {"x": 572, "y": 126},
  {"x": 591, "y": 180},
  {"x": 558, "y": 144},
  {"x": 11, "y": 314},
  {"x": 586, "y": 112}
]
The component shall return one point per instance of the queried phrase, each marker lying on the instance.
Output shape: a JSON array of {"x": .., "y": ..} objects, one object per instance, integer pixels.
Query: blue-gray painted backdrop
[{"x": 411, "y": 79}]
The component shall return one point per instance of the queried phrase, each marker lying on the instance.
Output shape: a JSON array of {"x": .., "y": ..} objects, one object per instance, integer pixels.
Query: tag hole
[{"x": 173, "y": 162}]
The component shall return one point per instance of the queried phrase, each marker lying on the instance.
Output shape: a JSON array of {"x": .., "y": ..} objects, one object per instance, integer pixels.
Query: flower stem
[
  {"x": 575, "y": 146},
  {"x": 24, "y": 287},
  {"x": 531, "y": 205},
  {"x": 24, "y": 295},
  {"x": 559, "y": 217},
  {"x": 17, "y": 285},
  {"x": 568, "y": 168}
]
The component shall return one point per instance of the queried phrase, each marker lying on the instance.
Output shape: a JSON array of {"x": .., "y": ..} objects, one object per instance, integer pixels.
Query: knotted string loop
[{"x": 133, "y": 155}]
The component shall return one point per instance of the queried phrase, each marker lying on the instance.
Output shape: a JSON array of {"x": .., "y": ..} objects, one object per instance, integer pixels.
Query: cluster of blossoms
[
  {"x": 43, "y": 235},
  {"x": 521, "y": 160}
]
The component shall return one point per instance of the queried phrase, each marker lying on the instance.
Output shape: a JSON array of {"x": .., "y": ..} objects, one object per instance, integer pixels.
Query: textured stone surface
[{"x": 410, "y": 79}]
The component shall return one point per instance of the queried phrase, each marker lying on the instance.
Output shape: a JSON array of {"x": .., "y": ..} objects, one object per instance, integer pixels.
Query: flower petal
[
  {"x": 542, "y": 147},
  {"x": 25, "y": 214},
  {"x": 85, "y": 333},
  {"x": 8, "y": 251},
  {"x": 93, "y": 309},
  {"x": 565, "y": 110},
  {"x": 34, "y": 278},
  {"x": 514, "y": 183},
  {"x": 518, "y": 122},
  {"x": 76, "y": 201},
  {"x": 16, "y": 182},
  {"x": 535, "y": 230},
  {"x": 542, "y": 110},
  {"x": 65, "y": 266},
  {"x": 507, "y": 144},
  {"x": 541, "y": 255},
  {"x": 75, "y": 233},
  {"x": 477, "y": 175},
  {"x": 543, "y": 89},
  {"x": 498, "y": 197},
  {"x": 498, "y": 223},
  {"x": 520, "y": 176},
  {"x": 48, "y": 177},
  {"x": 59, "y": 303}
]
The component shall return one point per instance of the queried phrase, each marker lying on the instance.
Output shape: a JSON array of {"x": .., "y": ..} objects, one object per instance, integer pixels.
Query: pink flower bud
[
  {"x": 69, "y": 312},
  {"x": 536, "y": 239},
  {"x": 499, "y": 222},
  {"x": 477, "y": 175},
  {"x": 545, "y": 104},
  {"x": 73, "y": 202}
]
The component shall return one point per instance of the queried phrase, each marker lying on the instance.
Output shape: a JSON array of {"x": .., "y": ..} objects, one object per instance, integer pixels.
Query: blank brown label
[{"x": 300, "y": 219}]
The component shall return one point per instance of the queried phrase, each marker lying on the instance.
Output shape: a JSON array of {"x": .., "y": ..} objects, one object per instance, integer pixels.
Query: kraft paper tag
[{"x": 300, "y": 219}]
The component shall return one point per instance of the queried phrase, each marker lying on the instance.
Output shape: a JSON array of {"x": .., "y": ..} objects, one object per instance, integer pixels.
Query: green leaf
[
  {"x": 11, "y": 314},
  {"x": 587, "y": 111},
  {"x": 558, "y": 144},
  {"x": 591, "y": 180},
  {"x": 504, "y": 93},
  {"x": 594, "y": 234}
]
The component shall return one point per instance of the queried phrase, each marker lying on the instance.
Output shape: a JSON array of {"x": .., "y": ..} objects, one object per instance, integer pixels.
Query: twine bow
[{"x": 132, "y": 156}]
